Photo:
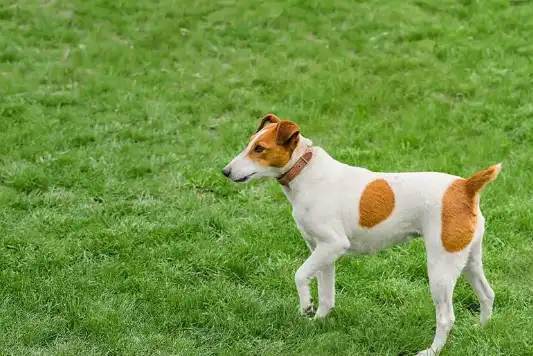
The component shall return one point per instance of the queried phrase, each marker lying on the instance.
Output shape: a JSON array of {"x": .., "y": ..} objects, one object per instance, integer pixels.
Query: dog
[{"x": 341, "y": 209}]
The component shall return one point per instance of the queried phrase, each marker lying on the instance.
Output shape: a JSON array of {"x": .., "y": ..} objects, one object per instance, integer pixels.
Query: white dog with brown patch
[{"x": 341, "y": 209}]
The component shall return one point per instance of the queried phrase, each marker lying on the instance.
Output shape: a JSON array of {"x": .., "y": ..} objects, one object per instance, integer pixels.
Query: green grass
[{"x": 119, "y": 235}]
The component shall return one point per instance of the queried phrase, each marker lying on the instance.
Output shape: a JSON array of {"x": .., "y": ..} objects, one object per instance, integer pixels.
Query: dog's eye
[{"x": 259, "y": 149}]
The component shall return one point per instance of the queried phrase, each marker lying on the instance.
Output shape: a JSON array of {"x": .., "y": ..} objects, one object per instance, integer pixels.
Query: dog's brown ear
[
  {"x": 268, "y": 118},
  {"x": 287, "y": 133}
]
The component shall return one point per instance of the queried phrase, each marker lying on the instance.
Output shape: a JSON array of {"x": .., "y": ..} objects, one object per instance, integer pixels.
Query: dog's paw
[
  {"x": 308, "y": 310},
  {"x": 322, "y": 312},
  {"x": 484, "y": 318},
  {"x": 427, "y": 352}
]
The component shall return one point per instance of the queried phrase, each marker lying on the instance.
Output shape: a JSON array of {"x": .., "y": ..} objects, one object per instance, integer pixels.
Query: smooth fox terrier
[{"x": 341, "y": 209}]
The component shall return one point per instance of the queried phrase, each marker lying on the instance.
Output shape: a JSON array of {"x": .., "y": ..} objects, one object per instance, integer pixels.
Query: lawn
[{"x": 120, "y": 236}]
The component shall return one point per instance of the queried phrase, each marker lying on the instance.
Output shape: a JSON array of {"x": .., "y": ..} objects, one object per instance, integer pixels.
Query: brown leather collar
[{"x": 300, "y": 164}]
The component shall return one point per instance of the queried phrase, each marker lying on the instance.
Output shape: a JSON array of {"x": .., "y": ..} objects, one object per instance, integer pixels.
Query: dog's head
[{"x": 268, "y": 152}]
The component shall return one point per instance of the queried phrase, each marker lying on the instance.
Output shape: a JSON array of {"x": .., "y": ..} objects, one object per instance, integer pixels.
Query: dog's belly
[
  {"x": 397, "y": 229},
  {"x": 367, "y": 242}
]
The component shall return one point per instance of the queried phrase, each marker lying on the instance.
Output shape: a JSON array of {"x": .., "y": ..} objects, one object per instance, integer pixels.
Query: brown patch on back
[
  {"x": 279, "y": 141},
  {"x": 376, "y": 204},
  {"x": 459, "y": 216}
]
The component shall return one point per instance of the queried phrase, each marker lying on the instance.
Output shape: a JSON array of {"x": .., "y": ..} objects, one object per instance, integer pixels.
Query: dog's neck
[
  {"x": 297, "y": 167},
  {"x": 310, "y": 174},
  {"x": 304, "y": 145}
]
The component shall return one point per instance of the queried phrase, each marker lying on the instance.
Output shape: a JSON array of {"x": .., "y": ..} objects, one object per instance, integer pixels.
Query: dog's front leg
[
  {"x": 321, "y": 260},
  {"x": 326, "y": 290}
]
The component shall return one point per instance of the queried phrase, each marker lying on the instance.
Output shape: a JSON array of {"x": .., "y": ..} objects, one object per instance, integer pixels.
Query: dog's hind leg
[
  {"x": 443, "y": 270},
  {"x": 475, "y": 276}
]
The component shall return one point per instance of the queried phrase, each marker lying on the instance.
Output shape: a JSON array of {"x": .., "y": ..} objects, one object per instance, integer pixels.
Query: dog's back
[{"x": 394, "y": 207}]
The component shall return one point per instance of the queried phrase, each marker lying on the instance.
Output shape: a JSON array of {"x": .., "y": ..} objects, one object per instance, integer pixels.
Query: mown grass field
[{"x": 120, "y": 236}]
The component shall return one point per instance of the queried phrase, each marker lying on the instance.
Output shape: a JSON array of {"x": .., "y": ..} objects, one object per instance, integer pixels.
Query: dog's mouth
[{"x": 244, "y": 179}]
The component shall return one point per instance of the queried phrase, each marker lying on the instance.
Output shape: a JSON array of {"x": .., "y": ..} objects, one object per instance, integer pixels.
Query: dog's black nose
[{"x": 226, "y": 172}]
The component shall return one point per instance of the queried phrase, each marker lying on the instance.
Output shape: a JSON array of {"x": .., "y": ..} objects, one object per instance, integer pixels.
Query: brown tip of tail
[{"x": 479, "y": 181}]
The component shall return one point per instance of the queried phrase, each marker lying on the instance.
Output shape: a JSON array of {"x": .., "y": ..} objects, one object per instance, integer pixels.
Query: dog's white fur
[{"x": 325, "y": 198}]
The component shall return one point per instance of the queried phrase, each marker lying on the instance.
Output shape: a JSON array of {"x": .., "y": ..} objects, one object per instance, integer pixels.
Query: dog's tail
[{"x": 479, "y": 181}]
